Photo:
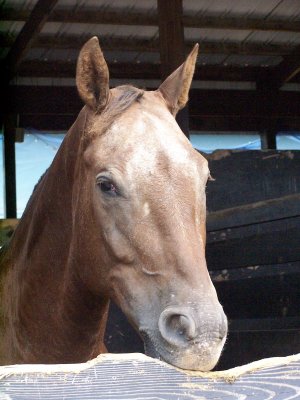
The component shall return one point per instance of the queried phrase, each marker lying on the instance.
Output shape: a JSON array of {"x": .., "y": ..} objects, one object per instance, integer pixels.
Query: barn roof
[{"x": 240, "y": 41}]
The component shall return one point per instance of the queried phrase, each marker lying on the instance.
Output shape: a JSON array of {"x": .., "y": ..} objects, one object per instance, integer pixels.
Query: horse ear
[
  {"x": 175, "y": 89},
  {"x": 92, "y": 76}
]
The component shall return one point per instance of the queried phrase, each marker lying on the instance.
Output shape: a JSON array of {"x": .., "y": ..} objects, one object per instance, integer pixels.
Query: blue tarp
[
  {"x": 33, "y": 157},
  {"x": 207, "y": 143}
]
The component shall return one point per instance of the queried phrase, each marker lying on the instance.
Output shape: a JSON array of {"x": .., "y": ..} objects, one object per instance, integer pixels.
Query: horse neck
[
  {"x": 43, "y": 265},
  {"x": 50, "y": 205}
]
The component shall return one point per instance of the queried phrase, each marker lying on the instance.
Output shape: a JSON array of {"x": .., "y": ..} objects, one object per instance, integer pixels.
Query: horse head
[{"x": 141, "y": 213}]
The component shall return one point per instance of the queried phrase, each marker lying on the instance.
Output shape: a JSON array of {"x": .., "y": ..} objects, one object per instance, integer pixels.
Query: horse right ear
[
  {"x": 175, "y": 89},
  {"x": 92, "y": 76}
]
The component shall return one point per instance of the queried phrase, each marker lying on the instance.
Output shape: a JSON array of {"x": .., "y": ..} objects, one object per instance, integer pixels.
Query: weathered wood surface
[
  {"x": 244, "y": 177},
  {"x": 254, "y": 213},
  {"x": 135, "y": 376},
  {"x": 254, "y": 209}
]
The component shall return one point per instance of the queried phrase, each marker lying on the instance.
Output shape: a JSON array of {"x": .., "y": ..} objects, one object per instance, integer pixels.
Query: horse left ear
[
  {"x": 92, "y": 76},
  {"x": 175, "y": 89}
]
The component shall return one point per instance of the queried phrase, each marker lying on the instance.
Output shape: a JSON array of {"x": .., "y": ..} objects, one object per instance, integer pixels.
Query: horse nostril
[
  {"x": 176, "y": 326},
  {"x": 186, "y": 327}
]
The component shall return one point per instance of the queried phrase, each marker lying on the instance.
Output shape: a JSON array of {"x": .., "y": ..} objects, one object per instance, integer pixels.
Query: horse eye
[{"x": 108, "y": 187}]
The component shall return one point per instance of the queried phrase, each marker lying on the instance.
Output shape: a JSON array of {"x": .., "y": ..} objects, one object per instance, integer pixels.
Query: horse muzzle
[{"x": 188, "y": 339}]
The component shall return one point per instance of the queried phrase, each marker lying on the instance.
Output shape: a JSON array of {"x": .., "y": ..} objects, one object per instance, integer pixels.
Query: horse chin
[
  {"x": 197, "y": 357},
  {"x": 192, "y": 359},
  {"x": 150, "y": 350}
]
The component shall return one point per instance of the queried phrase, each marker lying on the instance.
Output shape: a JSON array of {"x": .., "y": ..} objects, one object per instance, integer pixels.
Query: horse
[{"x": 119, "y": 215}]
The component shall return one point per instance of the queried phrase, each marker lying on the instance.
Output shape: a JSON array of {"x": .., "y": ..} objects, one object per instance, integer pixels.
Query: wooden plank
[
  {"x": 273, "y": 242},
  {"x": 27, "y": 35},
  {"x": 261, "y": 272},
  {"x": 253, "y": 213},
  {"x": 247, "y": 177},
  {"x": 135, "y": 376},
  {"x": 111, "y": 16},
  {"x": 244, "y": 347},
  {"x": 265, "y": 324},
  {"x": 260, "y": 295}
]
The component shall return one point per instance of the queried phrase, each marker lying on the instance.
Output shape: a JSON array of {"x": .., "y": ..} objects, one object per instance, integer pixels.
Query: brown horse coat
[{"x": 120, "y": 215}]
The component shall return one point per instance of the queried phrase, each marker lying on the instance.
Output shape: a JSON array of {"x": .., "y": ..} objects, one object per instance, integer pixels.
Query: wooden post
[
  {"x": 9, "y": 163},
  {"x": 171, "y": 42},
  {"x": 267, "y": 95},
  {"x": 268, "y": 138}
]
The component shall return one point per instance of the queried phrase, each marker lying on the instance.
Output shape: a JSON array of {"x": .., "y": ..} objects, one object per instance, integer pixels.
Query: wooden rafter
[
  {"x": 237, "y": 103},
  {"x": 152, "y": 45},
  {"x": 27, "y": 35},
  {"x": 116, "y": 17},
  {"x": 287, "y": 69},
  {"x": 63, "y": 69}
]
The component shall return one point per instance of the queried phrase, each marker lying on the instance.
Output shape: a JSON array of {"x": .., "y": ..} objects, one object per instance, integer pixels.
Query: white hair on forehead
[
  {"x": 153, "y": 132},
  {"x": 144, "y": 156},
  {"x": 174, "y": 144}
]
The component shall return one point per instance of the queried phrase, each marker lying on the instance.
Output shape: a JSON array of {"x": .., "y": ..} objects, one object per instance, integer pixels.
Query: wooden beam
[
  {"x": 287, "y": 69},
  {"x": 210, "y": 110},
  {"x": 120, "y": 70},
  {"x": 255, "y": 176},
  {"x": 259, "y": 272},
  {"x": 256, "y": 212},
  {"x": 203, "y": 102},
  {"x": 48, "y": 122},
  {"x": 152, "y": 45},
  {"x": 207, "y": 123},
  {"x": 112, "y": 16},
  {"x": 171, "y": 46},
  {"x": 272, "y": 242},
  {"x": 27, "y": 35},
  {"x": 171, "y": 35}
]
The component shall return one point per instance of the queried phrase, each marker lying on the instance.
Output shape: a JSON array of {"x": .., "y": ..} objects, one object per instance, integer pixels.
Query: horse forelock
[{"x": 121, "y": 99}]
